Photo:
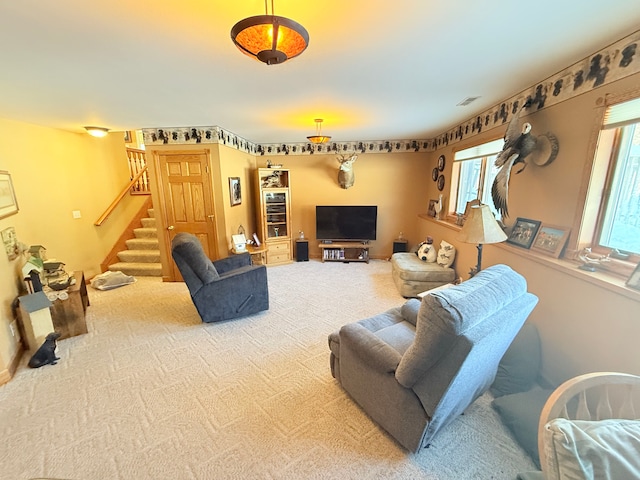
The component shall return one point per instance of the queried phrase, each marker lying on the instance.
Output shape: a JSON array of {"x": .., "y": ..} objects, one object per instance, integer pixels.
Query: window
[
  {"x": 619, "y": 219},
  {"x": 475, "y": 171}
]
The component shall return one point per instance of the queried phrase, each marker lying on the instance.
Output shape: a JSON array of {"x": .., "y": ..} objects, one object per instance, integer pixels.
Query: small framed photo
[
  {"x": 235, "y": 192},
  {"x": 634, "y": 279},
  {"x": 551, "y": 240},
  {"x": 8, "y": 201},
  {"x": 432, "y": 208},
  {"x": 10, "y": 242},
  {"x": 128, "y": 136},
  {"x": 256, "y": 240},
  {"x": 523, "y": 232}
]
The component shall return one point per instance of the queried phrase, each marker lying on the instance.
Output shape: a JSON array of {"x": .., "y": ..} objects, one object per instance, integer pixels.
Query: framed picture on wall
[
  {"x": 550, "y": 240},
  {"x": 235, "y": 192},
  {"x": 523, "y": 232},
  {"x": 8, "y": 201}
]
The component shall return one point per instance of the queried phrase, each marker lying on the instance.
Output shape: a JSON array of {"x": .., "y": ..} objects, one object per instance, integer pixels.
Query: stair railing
[
  {"x": 121, "y": 195},
  {"x": 137, "y": 163}
]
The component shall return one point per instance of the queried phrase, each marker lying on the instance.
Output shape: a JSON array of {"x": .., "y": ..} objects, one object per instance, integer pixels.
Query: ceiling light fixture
[
  {"x": 97, "y": 131},
  {"x": 269, "y": 38},
  {"x": 318, "y": 137}
]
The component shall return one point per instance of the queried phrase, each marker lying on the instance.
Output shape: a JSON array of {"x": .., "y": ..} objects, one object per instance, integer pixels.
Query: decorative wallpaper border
[
  {"x": 214, "y": 134},
  {"x": 612, "y": 63}
]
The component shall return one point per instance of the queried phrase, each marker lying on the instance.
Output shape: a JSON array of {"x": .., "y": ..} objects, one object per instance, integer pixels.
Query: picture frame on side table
[
  {"x": 523, "y": 232},
  {"x": 634, "y": 278},
  {"x": 235, "y": 192},
  {"x": 551, "y": 240},
  {"x": 8, "y": 200}
]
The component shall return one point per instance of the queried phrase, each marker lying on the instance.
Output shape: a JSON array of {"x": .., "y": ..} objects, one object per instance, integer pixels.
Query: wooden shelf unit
[
  {"x": 345, "y": 252},
  {"x": 274, "y": 214}
]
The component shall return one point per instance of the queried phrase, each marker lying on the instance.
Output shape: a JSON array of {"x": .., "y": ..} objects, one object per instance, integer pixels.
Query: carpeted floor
[{"x": 152, "y": 393}]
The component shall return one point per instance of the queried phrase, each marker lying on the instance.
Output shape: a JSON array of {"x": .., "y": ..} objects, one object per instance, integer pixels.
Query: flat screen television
[{"x": 346, "y": 222}]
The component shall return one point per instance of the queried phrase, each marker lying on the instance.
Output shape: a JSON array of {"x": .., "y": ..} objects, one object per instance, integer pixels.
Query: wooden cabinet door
[{"x": 187, "y": 192}]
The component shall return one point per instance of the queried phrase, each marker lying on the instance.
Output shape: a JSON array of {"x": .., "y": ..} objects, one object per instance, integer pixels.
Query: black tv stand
[{"x": 345, "y": 252}]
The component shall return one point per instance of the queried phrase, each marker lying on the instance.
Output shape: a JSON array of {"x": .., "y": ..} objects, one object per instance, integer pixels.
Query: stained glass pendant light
[
  {"x": 318, "y": 137},
  {"x": 269, "y": 38}
]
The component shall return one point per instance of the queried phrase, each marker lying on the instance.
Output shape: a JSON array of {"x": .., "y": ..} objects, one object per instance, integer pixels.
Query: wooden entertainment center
[{"x": 345, "y": 252}]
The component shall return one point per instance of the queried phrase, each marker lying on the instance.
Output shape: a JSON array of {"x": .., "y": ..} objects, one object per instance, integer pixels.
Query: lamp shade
[
  {"x": 270, "y": 38},
  {"x": 481, "y": 227}
]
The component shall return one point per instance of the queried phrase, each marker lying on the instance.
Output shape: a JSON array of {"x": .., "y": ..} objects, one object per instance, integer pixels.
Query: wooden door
[{"x": 188, "y": 199}]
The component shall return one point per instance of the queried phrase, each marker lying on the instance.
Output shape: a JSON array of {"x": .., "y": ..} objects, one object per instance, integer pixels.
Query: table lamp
[{"x": 481, "y": 227}]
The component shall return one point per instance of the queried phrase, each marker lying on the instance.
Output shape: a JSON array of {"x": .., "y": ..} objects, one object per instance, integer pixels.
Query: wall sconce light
[
  {"x": 97, "y": 131},
  {"x": 269, "y": 38}
]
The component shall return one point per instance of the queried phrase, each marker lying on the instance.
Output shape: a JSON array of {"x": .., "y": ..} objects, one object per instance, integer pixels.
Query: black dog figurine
[{"x": 46, "y": 353}]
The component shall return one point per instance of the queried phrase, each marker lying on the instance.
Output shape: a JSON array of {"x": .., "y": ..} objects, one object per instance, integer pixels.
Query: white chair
[{"x": 590, "y": 403}]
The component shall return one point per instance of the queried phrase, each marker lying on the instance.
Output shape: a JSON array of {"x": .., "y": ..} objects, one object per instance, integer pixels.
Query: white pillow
[
  {"x": 446, "y": 254},
  {"x": 604, "y": 449},
  {"x": 427, "y": 252}
]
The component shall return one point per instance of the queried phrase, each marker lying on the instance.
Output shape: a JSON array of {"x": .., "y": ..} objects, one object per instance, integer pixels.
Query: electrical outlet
[{"x": 76, "y": 214}]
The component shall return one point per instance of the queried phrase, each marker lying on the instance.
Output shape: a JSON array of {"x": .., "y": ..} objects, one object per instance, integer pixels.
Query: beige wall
[
  {"x": 234, "y": 163},
  {"x": 386, "y": 180},
  {"x": 584, "y": 326},
  {"x": 55, "y": 172}
]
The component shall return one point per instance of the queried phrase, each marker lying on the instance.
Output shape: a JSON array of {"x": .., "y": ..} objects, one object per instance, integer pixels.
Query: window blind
[
  {"x": 622, "y": 114},
  {"x": 479, "y": 151}
]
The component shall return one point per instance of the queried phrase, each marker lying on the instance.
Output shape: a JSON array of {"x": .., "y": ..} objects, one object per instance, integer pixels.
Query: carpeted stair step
[
  {"x": 148, "y": 222},
  {"x": 138, "y": 269},
  {"x": 139, "y": 256},
  {"x": 142, "y": 258},
  {"x": 142, "y": 244},
  {"x": 146, "y": 232}
]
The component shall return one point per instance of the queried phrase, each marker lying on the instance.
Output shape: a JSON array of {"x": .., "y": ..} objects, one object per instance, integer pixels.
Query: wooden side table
[
  {"x": 258, "y": 256},
  {"x": 69, "y": 315}
]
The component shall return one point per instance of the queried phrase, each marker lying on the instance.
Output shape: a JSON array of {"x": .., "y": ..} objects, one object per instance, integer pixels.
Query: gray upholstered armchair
[
  {"x": 415, "y": 368},
  {"x": 224, "y": 289}
]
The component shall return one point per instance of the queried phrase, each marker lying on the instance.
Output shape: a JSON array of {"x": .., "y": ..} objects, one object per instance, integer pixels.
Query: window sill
[{"x": 600, "y": 278}]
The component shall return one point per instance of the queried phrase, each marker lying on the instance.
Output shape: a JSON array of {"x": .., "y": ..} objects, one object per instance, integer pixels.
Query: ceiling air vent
[{"x": 467, "y": 101}]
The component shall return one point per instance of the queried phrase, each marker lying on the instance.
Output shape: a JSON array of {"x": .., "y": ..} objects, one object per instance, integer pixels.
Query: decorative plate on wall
[
  {"x": 434, "y": 174},
  {"x": 441, "y": 182},
  {"x": 441, "y": 162}
]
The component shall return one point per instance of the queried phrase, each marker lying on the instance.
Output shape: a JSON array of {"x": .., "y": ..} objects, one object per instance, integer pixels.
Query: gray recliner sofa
[
  {"x": 415, "y": 368},
  {"x": 223, "y": 289}
]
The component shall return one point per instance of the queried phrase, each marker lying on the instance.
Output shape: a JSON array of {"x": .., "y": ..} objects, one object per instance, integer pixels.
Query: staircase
[{"x": 142, "y": 257}]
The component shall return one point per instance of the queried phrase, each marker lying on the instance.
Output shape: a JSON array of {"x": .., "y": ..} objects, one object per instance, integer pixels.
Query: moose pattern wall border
[{"x": 612, "y": 63}]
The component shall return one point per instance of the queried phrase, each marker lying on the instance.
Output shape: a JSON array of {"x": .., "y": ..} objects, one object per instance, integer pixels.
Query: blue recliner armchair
[
  {"x": 223, "y": 289},
  {"x": 415, "y": 368}
]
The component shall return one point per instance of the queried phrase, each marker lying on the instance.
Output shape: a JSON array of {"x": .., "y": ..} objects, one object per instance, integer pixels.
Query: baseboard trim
[{"x": 8, "y": 373}]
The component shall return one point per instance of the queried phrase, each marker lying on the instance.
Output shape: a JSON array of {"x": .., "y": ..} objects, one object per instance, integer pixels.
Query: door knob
[{"x": 170, "y": 227}]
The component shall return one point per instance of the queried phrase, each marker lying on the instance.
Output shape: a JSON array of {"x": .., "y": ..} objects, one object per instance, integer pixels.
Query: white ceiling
[{"x": 373, "y": 70}]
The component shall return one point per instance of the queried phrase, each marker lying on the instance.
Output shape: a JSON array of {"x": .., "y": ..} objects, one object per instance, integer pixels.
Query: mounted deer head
[{"x": 346, "y": 176}]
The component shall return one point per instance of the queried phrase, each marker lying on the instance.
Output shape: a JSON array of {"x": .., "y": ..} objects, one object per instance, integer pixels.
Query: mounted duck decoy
[{"x": 520, "y": 144}]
